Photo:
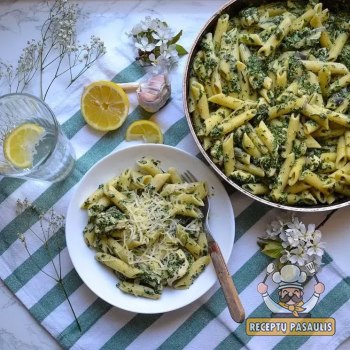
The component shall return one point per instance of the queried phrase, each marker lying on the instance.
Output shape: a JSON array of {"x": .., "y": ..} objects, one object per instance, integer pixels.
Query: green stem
[
  {"x": 66, "y": 295},
  {"x": 326, "y": 218},
  {"x": 48, "y": 248},
  {"x": 51, "y": 258},
  {"x": 35, "y": 263},
  {"x": 41, "y": 240},
  {"x": 41, "y": 72},
  {"x": 82, "y": 72},
  {"x": 58, "y": 67},
  {"x": 51, "y": 62}
]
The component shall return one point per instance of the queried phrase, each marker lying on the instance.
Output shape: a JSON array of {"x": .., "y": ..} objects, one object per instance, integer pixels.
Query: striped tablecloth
[{"x": 205, "y": 324}]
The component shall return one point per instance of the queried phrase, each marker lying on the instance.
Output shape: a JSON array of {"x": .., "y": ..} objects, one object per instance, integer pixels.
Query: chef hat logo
[{"x": 290, "y": 276}]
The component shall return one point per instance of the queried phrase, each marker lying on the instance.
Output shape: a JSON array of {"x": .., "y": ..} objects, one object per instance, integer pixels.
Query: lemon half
[{"x": 104, "y": 105}]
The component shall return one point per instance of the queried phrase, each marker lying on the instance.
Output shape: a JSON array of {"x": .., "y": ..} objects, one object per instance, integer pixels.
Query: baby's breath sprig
[
  {"x": 290, "y": 241},
  {"x": 57, "y": 49},
  {"x": 50, "y": 235},
  {"x": 156, "y": 43}
]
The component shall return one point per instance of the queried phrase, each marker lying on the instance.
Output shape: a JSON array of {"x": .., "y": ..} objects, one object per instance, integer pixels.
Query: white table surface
[{"x": 19, "y": 22}]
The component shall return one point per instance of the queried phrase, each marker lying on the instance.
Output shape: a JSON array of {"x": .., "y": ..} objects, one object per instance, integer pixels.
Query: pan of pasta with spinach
[
  {"x": 266, "y": 95},
  {"x": 147, "y": 226}
]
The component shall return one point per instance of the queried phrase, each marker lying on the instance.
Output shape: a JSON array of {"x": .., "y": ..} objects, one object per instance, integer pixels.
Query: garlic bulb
[{"x": 154, "y": 93}]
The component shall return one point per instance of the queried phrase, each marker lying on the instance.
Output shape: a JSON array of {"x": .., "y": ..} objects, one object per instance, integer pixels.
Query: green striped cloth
[{"x": 205, "y": 324}]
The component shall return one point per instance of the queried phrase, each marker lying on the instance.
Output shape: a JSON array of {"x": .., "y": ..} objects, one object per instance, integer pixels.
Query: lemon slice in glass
[
  {"x": 145, "y": 130},
  {"x": 104, "y": 105},
  {"x": 19, "y": 144}
]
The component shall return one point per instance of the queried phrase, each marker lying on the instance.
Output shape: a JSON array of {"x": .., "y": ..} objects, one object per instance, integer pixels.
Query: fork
[{"x": 233, "y": 302}]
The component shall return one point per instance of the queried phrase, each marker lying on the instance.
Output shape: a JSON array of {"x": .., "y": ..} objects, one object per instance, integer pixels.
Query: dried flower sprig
[
  {"x": 50, "y": 224},
  {"x": 291, "y": 241},
  {"x": 156, "y": 43},
  {"x": 57, "y": 50}
]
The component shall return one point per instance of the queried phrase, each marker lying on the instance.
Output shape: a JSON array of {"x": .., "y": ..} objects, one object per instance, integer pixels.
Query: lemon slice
[
  {"x": 104, "y": 105},
  {"x": 19, "y": 144},
  {"x": 145, "y": 130}
]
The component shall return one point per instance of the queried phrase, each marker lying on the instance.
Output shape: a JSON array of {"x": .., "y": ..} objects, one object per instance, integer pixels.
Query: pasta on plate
[
  {"x": 269, "y": 95},
  {"x": 148, "y": 227}
]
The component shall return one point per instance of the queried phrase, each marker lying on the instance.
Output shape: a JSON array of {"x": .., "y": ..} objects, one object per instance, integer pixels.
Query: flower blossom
[
  {"x": 298, "y": 256},
  {"x": 144, "y": 45},
  {"x": 316, "y": 247},
  {"x": 163, "y": 34}
]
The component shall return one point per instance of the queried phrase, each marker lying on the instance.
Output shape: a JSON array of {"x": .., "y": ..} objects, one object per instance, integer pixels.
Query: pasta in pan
[
  {"x": 270, "y": 93},
  {"x": 148, "y": 228}
]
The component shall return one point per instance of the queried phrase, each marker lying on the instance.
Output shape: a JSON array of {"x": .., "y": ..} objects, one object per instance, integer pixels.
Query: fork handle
[{"x": 233, "y": 301}]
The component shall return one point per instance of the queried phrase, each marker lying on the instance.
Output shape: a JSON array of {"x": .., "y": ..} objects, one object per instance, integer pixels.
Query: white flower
[
  {"x": 292, "y": 241},
  {"x": 62, "y": 26},
  {"x": 163, "y": 59},
  {"x": 286, "y": 257},
  {"x": 29, "y": 59},
  {"x": 153, "y": 24},
  {"x": 298, "y": 256},
  {"x": 145, "y": 24},
  {"x": 296, "y": 225},
  {"x": 97, "y": 45},
  {"x": 316, "y": 247},
  {"x": 136, "y": 30},
  {"x": 290, "y": 237},
  {"x": 275, "y": 228},
  {"x": 309, "y": 234},
  {"x": 148, "y": 25},
  {"x": 144, "y": 45},
  {"x": 163, "y": 34},
  {"x": 172, "y": 51}
]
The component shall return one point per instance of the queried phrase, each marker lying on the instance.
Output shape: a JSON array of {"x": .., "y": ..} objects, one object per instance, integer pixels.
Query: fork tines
[{"x": 187, "y": 176}]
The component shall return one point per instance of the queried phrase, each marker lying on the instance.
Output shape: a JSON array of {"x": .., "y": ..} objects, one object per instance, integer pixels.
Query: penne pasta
[
  {"x": 150, "y": 239},
  {"x": 280, "y": 87}
]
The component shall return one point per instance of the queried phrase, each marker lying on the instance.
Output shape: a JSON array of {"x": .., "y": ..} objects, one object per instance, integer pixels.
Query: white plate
[{"x": 100, "y": 278}]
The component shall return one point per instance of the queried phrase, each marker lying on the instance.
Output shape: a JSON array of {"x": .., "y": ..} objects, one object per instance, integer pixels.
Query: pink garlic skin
[{"x": 153, "y": 94}]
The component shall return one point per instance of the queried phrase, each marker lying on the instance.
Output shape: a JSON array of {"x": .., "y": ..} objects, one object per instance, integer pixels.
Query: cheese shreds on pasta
[{"x": 148, "y": 229}]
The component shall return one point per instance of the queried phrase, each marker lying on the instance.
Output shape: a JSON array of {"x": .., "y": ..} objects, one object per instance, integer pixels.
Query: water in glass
[{"x": 53, "y": 155}]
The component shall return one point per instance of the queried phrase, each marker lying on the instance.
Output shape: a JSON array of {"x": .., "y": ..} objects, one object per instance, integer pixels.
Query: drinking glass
[{"x": 53, "y": 157}]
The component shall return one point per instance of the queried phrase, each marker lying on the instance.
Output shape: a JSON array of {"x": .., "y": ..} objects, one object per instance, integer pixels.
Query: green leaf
[
  {"x": 261, "y": 245},
  {"x": 176, "y": 38},
  {"x": 273, "y": 250},
  {"x": 180, "y": 50}
]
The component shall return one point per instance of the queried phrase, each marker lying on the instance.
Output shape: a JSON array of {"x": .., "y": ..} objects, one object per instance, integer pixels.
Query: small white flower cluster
[
  {"x": 62, "y": 24},
  {"x": 53, "y": 220},
  {"x": 21, "y": 206},
  {"x": 153, "y": 40},
  {"x": 50, "y": 225},
  {"x": 168, "y": 57},
  {"x": 58, "y": 32},
  {"x": 301, "y": 244},
  {"x": 29, "y": 58},
  {"x": 97, "y": 45},
  {"x": 6, "y": 70}
]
